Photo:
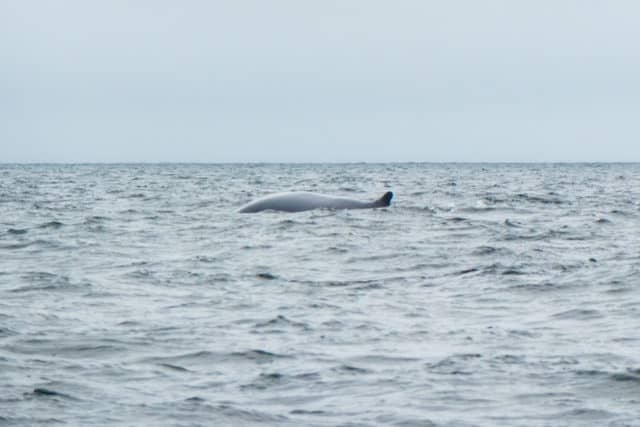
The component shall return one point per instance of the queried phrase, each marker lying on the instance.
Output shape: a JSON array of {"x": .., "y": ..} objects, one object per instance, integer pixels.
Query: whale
[{"x": 299, "y": 201}]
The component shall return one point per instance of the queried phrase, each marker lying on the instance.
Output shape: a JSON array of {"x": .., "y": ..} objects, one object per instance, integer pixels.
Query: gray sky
[{"x": 219, "y": 81}]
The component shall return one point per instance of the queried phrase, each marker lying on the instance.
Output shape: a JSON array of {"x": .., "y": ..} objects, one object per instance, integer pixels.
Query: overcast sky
[{"x": 220, "y": 81}]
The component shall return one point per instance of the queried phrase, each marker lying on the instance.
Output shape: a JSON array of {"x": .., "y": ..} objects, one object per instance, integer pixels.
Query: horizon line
[{"x": 558, "y": 162}]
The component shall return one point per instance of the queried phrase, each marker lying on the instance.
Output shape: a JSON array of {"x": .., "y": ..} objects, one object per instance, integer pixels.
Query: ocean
[{"x": 485, "y": 295}]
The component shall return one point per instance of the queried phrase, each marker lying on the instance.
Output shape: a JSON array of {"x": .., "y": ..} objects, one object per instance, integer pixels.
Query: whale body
[{"x": 303, "y": 201}]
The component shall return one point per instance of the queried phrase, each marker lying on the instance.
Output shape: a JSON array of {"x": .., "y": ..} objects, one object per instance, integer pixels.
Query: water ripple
[{"x": 485, "y": 295}]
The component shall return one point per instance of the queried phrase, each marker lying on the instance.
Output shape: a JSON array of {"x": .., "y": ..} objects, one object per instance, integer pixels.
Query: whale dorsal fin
[{"x": 385, "y": 200}]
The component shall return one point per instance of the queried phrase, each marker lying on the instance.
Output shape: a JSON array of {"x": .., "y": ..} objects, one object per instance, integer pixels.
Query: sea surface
[{"x": 485, "y": 295}]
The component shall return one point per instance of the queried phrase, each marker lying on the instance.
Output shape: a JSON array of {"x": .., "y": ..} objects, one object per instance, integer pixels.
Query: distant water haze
[{"x": 287, "y": 81}]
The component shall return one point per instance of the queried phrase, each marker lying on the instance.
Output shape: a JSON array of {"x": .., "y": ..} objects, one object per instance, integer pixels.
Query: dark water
[{"x": 485, "y": 295}]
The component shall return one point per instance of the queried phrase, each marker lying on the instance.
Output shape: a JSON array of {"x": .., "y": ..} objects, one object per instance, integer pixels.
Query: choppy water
[{"x": 485, "y": 295}]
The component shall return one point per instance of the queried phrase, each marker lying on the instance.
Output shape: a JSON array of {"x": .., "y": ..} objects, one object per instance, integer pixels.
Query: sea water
[{"x": 486, "y": 294}]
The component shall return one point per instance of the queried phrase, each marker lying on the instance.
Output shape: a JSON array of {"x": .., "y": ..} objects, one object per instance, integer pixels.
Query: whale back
[{"x": 303, "y": 201}]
